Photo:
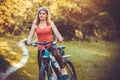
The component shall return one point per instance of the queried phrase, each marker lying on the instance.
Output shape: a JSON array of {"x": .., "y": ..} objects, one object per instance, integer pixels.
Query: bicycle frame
[
  {"x": 49, "y": 60},
  {"x": 49, "y": 63}
]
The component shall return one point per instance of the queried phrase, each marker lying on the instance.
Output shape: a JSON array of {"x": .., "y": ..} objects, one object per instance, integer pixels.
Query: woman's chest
[{"x": 45, "y": 30}]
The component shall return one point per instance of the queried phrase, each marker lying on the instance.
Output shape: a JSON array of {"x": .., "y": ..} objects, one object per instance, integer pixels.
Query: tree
[
  {"x": 68, "y": 15},
  {"x": 11, "y": 16}
]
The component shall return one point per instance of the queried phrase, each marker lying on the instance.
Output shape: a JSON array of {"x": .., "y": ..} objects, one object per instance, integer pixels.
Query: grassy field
[
  {"x": 92, "y": 61},
  {"x": 10, "y": 52}
]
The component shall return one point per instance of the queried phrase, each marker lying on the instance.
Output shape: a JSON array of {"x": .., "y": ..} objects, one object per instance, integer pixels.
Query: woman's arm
[
  {"x": 32, "y": 32},
  {"x": 56, "y": 32}
]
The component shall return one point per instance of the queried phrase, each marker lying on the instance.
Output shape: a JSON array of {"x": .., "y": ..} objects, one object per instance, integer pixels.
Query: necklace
[{"x": 42, "y": 25}]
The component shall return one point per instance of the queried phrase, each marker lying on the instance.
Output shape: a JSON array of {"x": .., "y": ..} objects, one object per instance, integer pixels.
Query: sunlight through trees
[{"x": 16, "y": 16}]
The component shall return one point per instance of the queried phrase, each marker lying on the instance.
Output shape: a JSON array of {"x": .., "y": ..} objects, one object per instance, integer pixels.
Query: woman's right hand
[{"x": 27, "y": 42}]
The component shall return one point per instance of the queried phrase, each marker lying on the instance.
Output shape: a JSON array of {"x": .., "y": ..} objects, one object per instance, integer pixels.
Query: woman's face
[{"x": 42, "y": 15}]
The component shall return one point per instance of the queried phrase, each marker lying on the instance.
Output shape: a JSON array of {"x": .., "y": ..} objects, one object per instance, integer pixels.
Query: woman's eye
[{"x": 43, "y": 13}]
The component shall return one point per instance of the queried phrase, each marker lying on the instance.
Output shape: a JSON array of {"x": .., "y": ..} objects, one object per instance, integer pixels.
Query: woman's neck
[{"x": 42, "y": 24}]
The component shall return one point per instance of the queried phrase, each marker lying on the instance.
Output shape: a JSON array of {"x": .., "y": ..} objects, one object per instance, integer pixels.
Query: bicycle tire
[
  {"x": 45, "y": 73},
  {"x": 70, "y": 69}
]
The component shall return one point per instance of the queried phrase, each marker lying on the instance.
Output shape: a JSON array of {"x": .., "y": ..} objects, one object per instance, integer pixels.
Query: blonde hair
[{"x": 37, "y": 20}]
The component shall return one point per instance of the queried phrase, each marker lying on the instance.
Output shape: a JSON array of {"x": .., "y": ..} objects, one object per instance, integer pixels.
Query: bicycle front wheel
[
  {"x": 45, "y": 73},
  {"x": 71, "y": 70}
]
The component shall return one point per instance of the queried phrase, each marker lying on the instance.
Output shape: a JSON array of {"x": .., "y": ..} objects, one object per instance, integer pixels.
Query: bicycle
[{"x": 49, "y": 64}]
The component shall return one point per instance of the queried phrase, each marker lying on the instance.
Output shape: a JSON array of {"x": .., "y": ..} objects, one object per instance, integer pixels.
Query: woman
[{"x": 43, "y": 27}]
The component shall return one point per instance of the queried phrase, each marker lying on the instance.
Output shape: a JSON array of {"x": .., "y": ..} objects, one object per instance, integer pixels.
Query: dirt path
[{"x": 25, "y": 56}]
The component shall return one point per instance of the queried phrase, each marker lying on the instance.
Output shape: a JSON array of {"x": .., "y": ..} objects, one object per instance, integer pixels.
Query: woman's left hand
[{"x": 61, "y": 40}]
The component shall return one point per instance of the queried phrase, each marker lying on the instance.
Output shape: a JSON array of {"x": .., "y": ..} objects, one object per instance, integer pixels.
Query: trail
[{"x": 25, "y": 56}]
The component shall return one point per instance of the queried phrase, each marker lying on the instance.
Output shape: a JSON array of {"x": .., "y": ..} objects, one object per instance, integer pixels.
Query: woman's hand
[
  {"x": 61, "y": 40},
  {"x": 27, "y": 42}
]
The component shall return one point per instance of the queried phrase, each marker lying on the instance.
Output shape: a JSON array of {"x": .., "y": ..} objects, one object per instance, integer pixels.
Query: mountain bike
[{"x": 49, "y": 64}]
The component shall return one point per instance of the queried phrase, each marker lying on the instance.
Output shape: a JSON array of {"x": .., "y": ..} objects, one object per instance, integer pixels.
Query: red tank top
[{"x": 44, "y": 34}]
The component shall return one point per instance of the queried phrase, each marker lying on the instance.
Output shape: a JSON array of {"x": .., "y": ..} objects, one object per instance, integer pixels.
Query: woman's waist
[{"x": 41, "y": 47}]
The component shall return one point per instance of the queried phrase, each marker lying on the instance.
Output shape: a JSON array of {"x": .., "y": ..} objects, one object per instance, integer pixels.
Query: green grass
[
  {"x": 9, "y": 48},
  {"x": 10, "y": 52},
  {"x": 92, "y": 61}
]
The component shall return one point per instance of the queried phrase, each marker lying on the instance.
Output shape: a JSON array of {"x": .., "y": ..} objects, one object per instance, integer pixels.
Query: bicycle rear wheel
[
  {"x": 71, "y": 70},
  {"x": 45, "y": 73}
]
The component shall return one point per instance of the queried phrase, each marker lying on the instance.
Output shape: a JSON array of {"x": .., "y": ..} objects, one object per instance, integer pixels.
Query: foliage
[
  {"x": 12, "y": 13},
  {"x": 3, "y": 64},
  {"x": 10, "y": 52},
  {"x": 68, "y": 15}
]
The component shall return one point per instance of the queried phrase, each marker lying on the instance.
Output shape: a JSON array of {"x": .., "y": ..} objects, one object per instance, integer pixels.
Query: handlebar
[
  {"x": 36, "y": 43},
  {"x": 44, "y": 43}
]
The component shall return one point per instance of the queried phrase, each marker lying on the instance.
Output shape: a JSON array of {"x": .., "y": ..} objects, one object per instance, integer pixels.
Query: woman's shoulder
[
  {"x": 34, "y": 26},
  {"x": 52, "y": 23}
]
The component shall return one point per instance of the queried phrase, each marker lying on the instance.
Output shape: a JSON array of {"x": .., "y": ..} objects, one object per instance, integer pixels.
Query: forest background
[
  {"x": 91, "y": 27},
  {"x": 78, "y": 19}
]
